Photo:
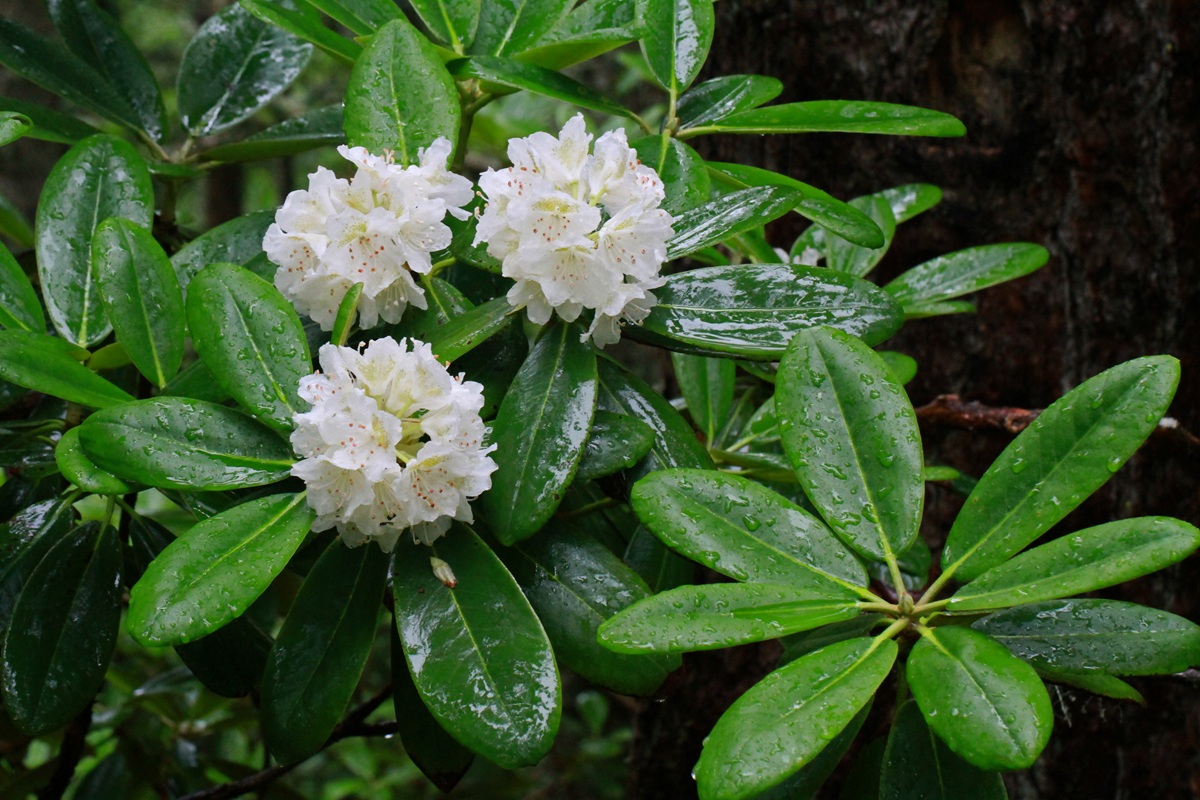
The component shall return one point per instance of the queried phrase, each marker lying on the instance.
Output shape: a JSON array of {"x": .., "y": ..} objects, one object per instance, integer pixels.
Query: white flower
[
  {"x": 393, "y": 442},
  {"x": 375, "y": 229},
  {"x": 577, "y": 230}
]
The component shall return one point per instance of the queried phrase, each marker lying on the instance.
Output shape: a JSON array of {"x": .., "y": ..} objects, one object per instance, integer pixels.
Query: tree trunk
[{"x": 1082, "y": 123}]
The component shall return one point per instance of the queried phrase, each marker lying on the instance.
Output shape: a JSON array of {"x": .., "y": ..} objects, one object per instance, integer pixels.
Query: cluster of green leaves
[{"x": 134, "y": 371}]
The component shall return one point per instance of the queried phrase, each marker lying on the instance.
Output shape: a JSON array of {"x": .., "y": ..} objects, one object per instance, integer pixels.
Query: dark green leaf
[
  {"x": 682, "y": 170},
  {"x": 862, "y": 782},
  {"x": 801, "y": 644},
  {"x": 196, "y": 381},
  {"x": 48, "y": 124},
  {"x": 852, "y": 438},
  {"x": 252, "y": 340},
  {"x": 711, "y": 100},
  {"x": 728, "y": 215},
  {"x": 304, "y": 26},
  {"x": 847, "y": 256},
  {"x": 63, "y": 630},
  {"x": 98, "y": 39},
  {"x": 1095, "y": 682},
  {"x": 13, "y": 126},
  {"x": 902, "y": 368},
  {"x": 707, "y": 386},
  {"x": 743, "y": 530},
  {"x": 321, "y": 127},
  {"x": 676, "y": 35},
  {"x": 212, "y": 573},
  {"x": 1069, "y": 451},
  {"x": 98, "y": 178},
  {"x": 76, "y": 467},
  {"x": 804, "y": 783},
  {"x": 19, "y": 306},
  {"x": 400, "y": 97},
  {"x": 347, "y": 313},
  {"x": 965, "y": 271},
  {"x": 616, "y": 442},
  {"x": 838, "y": 116},
  {"x": 450, "y": 21},
  {"x": 477, "y": 653},
  {"x": 180, "y": 443},
  {"x": 659, "y": 566},
  {"x": 1100, "y": 635},
  {"x": 988, "y": 706},
  {"x": 754, "y": 310},
  {"x": 235, "y": 242},
  {"x": 321, "y": 650},
  {"x": 538, "y": 80},
  {"x": 590, "y": 29},
  {"x": 789, "y": 717},
  {"x": 24, "y": 541},
  {"x": 508, "y": 27},
  {"x": 363, "y": 17},
  {"x": 48, "y": 364},
  {"x": 233, "y": 66},
  {"x": 911, "y": 199},
  {"x": 141, "y": 297},
  {"x": 919, "y": 766}
]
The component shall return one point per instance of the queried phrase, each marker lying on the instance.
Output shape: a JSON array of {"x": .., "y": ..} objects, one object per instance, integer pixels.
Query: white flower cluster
[
  {"x": 577, "y": 230},
  {"x": 392, "y": 442},
  {"x": 376, "y": 229}
]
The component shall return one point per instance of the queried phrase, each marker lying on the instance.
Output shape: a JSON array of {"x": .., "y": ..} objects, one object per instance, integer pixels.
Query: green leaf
[
  {"x": 988, "y": 706},
  {"x": 47, "y": 364},
  {"x": 852, "y": 438},
  {"x": 843, "y": 219},
  {"x": 837, "y": 116},
  {"x": 801, "y": 644},
  {"x": 252, "y": 340},
  {"x": 707, "y": 385},
  {"x": 450, "y": 21},
  {"x": 847, "y": 256},
  {"x": 590, "y": 29},
  {"x": 754, "y": 310},
  {"x": 179, "y": 443},
  {"x": 400, "y": 97},
  {"x": 363, "y": 17},
  {"x": 97, "y": 38},
  {"x": 743, "y": 530},
  {"x": 1081, "y": 562},
  {"x": 616, "y": 442},
  {"x": 63, "y": 630},
  {"x": 98, "y": 178},
  {"x": 304, "y": 26},
  {"x": 141, "y": 297},
  {"x": 728, "y": 215},
  {"x": 477, "y": 653},
  {"x": 236, "y": 242},
  {"x": 435, "y": 752},
  {"x": 676, "y": 35},
  {"x": 196, "y": 381},
  {"x": 965, "y": 271},
  {"x": 682, "y": 170},
  {"x": 789, "y": 717},
  {"x": 1095, "y": 682},
  {"x": 911, "y": 199},
  {"x": 212, "y": 573},
  {"x": 321, "y": 650},
  {"x": 720, "y": 615},
  {"x": 321, "y": 127},
  {"x": 717, "y": 98},
  {"x": 19, "y": 306},
  {"x": 50, "y": 66},
  {"x": 902, "y": 368},
  {"x": 233, "y": 66},
  {"x": 76, "y": 467},
  {"x": 917, "y": 764},
  {"x": 13, "y": 223},
  {"x": 1096, "y": 635},
  {"x": 24, "y": 541},
  {"x": 13, "y": 126},
  {"x": 862, "y": 780},
  {"x": 575, "y": 584},
  {"x": 540, "y": 432},
  {"x": 48, "y": 124},
  {"x": 805, "y": 782},
  {"x": 538, "y": 80},
  {"x": 1069, "y": 451},
  {"x": 508, "y": 27},
  {"x": 927, "y": 310}
]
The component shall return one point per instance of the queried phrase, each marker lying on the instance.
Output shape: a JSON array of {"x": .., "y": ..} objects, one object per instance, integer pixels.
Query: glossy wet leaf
[
  {"x": 789, "y": 717},
  {"x": 48, "y": 125},
  {"x": 728, "y": 215},
  {"x": 848, "y": 256},
  {"x": 63, "y": 630},
  {"x": 320, "y": 127},
  {"x": 1102, "y": 635},
  {"x": 676, "y": 35},
  {"x": 575, "y": 584},
  {"x": 24, "y": 541},
  {"x": 306, "y": 26},
  {"x": 540, "y": 433},
  {"x": 180, "y": 443},
  {"x": 13, "y": 126},
  {"x": 400, "y": 97},
  {"x": 252, "y": 340},
  {"x": 77, "y": 468},
  {"x": 1099, "y": 683},
  {"x": 742, "y": 529},
  {"x": 363, "y": 17},
  {"x": 234, "y": 242},
  {"x": 918, "y": 766},
  {"x": 535, "y": 79},
  {"x": 233, "y": 66},
  {"x": 681, "y": 169},
  {"x": 98, "y": 178},
  {"x": 714, "y": 99},
  {"x": 141, "y": 297},
  {"x": 616, "y": 442},
  {"x": 903, "y": 368},
  {"x": 321, "y": 650},
  {"x": 471, "y": 329},
  {"x": 987, "y": 705},
  {"x": 720, "y": 615},
  {"x": 838, "y": 116},
  {"x": 588, "y": 30},
  {"x": 844, "y": 219},
  {"x": 862, "y": 780},
  {"x": 799, "y": 645},
  {"x": 196, "y": 381},
  {"x": 477, "y": 653},
  {"x": 911, "y": 199},
  {"x": 94, "y": 36},
  {"x": 450, "y": 21},
  {"x": 851, "y": 435},
  {"x": 966, "y": 271},
  {"x": 805, "y": 782},
  {"x": 48, "y": 364},
  {"x": 19, "y": 306},
  {"x": 1091, "y": 559},
  {"x": 754, "y": 310},
  {"x": 212, "y": 573},
  {"x": 1069, "y": 451},
  {"x": 507, "y": 27},
  {"x": 707, "y": 385}
]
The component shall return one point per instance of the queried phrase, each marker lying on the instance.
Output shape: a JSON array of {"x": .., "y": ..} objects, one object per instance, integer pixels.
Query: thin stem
[
  {"x": 897, "y": 577},
  {"x": 894, "y": 629},
  {"x": 881, "y": 606},
  {"x": 925, "y": 608},
  {"x": 645, "y": 126},
  {"x": 937, "y": 585}
]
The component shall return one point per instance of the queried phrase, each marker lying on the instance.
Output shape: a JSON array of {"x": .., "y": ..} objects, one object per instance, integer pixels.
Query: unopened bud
[{"x": 443, "y": 573}]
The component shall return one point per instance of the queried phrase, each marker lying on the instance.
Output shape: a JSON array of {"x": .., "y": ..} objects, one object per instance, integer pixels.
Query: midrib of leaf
[
  {"x": 137, "y": 290},
  {"x": 209, "y": 117},
  {"x": 536, "y": 428},
  {"x": 87, "y": 275},
  {"x": 275, "y": 387},
  {"x": 962, "y": 666},
  {"x": 234, "y": 459},
  {"x": 390, "y": 71}
]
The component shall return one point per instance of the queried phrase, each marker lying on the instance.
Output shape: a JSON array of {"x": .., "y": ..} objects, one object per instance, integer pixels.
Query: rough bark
[{"x": 1082, "y": 126}]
